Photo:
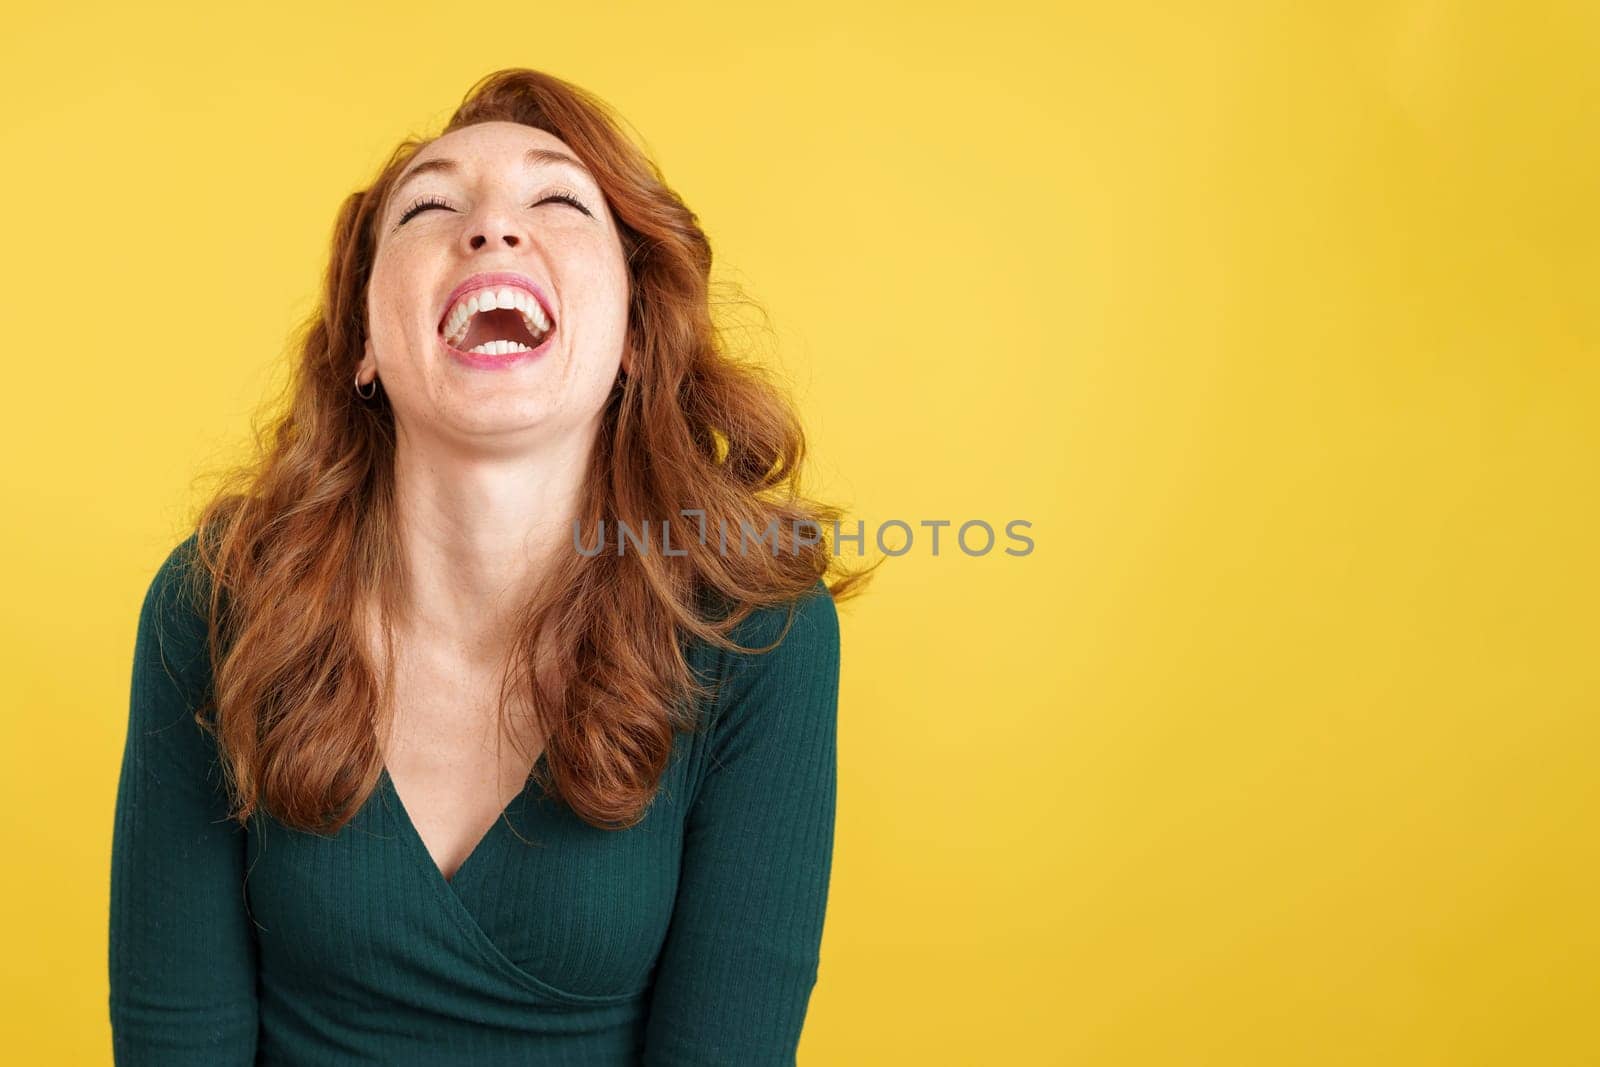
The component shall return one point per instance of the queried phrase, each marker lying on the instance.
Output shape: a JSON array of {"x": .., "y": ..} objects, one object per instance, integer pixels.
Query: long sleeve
[
  {"x": 743, "y": 947},
  {"x": 182, "y": 952}
]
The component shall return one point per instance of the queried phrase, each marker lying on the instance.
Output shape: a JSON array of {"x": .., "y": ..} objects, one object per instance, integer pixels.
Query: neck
[{"x": 477, "y": 536}]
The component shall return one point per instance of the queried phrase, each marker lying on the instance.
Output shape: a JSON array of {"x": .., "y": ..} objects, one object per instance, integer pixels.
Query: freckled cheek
[{"x": 591, "y": 291}]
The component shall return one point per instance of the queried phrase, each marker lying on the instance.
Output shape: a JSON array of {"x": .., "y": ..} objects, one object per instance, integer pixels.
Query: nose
[
  {"x": 478, "y": 240},
  {"x": 496, "y": 220}
]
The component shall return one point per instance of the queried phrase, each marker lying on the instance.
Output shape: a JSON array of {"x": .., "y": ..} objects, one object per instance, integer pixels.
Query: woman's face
[{"x": 486, "y": 207}]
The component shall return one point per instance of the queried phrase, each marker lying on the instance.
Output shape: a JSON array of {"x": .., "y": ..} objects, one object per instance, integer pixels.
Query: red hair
[{"x": 294, "y": 541}]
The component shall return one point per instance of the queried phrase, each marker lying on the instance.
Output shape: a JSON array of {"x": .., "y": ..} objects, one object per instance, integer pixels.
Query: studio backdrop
[{"x": 1213, "y": 385}]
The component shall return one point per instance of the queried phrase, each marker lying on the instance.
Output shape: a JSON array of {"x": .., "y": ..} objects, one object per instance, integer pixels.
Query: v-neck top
[{"x": 692, "y": 937}]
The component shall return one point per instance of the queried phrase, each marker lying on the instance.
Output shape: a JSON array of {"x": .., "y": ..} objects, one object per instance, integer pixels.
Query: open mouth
[{"x": 496, "y": 322}]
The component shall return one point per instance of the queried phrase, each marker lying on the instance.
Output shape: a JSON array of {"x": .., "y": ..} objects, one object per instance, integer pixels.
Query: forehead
[
  {"x": 490, "y": 139},
  {"x": 489, "y": 148}
]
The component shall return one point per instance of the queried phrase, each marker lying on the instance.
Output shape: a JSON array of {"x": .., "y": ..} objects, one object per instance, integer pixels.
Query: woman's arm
[
  {"x": 182, "y": 951},
  {"x": 741, "y": 954}
]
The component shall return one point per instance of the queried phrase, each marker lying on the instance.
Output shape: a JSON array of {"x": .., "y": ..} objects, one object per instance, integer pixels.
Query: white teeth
[
  {"x": 499, "y": 348},
  {"x": 460, "y": 317}
]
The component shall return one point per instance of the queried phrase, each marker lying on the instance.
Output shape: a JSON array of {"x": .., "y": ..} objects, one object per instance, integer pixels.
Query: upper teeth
[{"x": 455, "y": 327}]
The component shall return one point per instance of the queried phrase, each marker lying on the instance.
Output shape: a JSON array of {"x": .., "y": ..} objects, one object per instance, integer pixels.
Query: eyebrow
[{"x": 534, "y": 157}]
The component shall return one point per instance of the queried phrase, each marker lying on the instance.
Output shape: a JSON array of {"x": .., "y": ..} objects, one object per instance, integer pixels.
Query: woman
[{"x": 431, "y": 758}]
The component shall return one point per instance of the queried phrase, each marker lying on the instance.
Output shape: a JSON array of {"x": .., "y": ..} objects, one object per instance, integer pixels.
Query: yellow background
[{"x": 1277, "y": 321}]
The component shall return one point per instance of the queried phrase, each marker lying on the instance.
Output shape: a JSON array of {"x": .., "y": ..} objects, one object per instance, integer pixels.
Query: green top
[{"x": 691, "y": 938}]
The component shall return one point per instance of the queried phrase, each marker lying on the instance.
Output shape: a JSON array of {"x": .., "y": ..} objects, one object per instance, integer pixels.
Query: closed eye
[
  {"x": 428, "y": 202},
  {"x": 568, "y": 198},
  {"x": 420, "y": 206}
]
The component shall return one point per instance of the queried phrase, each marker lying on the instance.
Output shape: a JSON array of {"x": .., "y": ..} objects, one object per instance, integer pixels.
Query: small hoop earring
[{"x": 373, "y": 383}]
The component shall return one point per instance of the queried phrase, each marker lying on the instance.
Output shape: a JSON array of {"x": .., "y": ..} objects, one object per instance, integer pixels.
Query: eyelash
[{"x": 425, "y": 202}]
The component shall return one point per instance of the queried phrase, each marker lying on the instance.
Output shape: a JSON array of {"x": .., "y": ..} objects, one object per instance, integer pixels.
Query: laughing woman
[{"x": 411, "y": 778}]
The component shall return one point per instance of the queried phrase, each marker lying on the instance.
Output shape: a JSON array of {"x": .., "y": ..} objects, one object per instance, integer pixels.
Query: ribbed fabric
[{"x": 691, "y": 938}]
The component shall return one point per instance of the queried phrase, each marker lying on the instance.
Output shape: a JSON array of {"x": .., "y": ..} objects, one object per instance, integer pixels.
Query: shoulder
[
  {"x": 806, "y": 625},
  {"x": 177, "y": 591},
  {"x": 171, "y": 752},
  {"x": 173, "y": 627},
  {"x": 788, "y": 660}
]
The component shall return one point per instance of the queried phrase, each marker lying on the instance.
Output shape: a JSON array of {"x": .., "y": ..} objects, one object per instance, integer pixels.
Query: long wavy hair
[{"x": 295, "y": 542}]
